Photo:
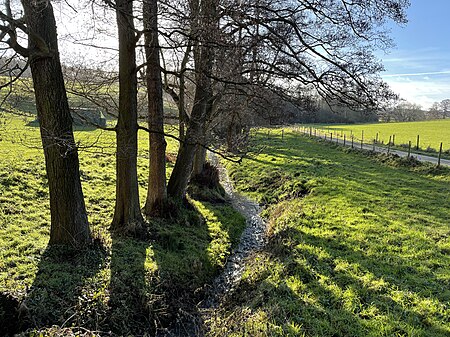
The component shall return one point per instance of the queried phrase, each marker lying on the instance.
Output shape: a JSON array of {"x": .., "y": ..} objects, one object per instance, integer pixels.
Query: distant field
[{"x": 432, "y": 133}]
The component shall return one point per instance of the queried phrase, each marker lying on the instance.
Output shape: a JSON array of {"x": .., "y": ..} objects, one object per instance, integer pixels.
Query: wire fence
[{"x": 361, "y": 142}]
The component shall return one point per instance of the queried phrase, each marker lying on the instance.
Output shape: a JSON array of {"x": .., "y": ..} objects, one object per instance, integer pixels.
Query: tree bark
[
  {"x": 157, "y": 191},
  {"x": 203, "y": 25},
  {"x": 69, "y": 223},
  {"x": 199, "y": 160},
  {"x": 182, "y": 170},
  {"x": 127, "y": 213}
]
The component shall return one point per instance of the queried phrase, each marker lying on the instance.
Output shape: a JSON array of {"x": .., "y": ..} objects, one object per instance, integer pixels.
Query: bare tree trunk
[
  {"x": 199, "y": 160},
  {"x": 200, "y": 151},
  {"x": 182, "y": 170},
  {"x": 203, "y": 58},
  {"x": 127, "y": 213},
  {"x": 69, "y": 223},
  {"x": 157, "y": 192}
]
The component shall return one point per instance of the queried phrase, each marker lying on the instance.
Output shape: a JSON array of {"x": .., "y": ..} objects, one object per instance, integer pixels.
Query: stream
[{"x": 252, "y": 239}]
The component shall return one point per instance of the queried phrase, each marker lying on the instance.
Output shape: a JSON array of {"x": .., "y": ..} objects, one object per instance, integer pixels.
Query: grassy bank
[
  {"x": 125, "y": 285},
  {"x": 359, "y": 245}
]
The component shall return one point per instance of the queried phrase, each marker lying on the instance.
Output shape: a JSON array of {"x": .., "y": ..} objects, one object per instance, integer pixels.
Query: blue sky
[{"x": 418, "y": 68}]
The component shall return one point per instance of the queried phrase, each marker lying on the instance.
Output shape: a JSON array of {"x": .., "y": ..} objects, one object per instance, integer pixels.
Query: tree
[
  {"x": 69, "y": 223},
  {"x": 203, "y": 27},
  {"x": 157, "y": 191},
  {"x": 127, "y": 213},
  {"x": 440, "y": 110},
  {"x": 405, "y": 111},
  {"x": 435, "y": 111},
  {"x": 324, "y": 45},
  {"x": 445, "y": 108}
]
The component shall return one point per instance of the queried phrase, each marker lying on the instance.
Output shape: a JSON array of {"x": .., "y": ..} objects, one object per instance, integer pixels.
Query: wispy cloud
[{"x": 419, "y": 74}]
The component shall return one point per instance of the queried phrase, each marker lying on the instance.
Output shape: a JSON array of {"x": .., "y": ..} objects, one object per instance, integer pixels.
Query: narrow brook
[{"x": 252, "y": 239}]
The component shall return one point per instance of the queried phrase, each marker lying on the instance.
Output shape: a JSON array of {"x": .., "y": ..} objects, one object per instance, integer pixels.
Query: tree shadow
[
  {"x": 180, "y": 252},
  {"x": 189, "y": 253},
  {"x": 306, "y": 295},
  {"x": 58, "y": 293},
  {"x": 132, "y": 299},
  {"x": 315, "y": 271}
]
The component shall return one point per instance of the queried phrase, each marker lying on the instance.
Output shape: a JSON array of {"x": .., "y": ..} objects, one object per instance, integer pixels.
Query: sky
[{"x": 418, "y": 68}]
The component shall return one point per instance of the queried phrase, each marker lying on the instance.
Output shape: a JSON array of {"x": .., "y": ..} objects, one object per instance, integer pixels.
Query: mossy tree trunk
[
  {"x": 157, "y": 191},
  {"x": 127, "y": 213},
  {"x": 69, "y": 223}
]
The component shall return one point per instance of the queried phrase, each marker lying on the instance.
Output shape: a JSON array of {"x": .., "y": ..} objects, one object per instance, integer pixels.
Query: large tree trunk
[
  {"x": 199, "y": 160},
  {"x": 182, "y": 170},
  {"x": 127, "y": 214},
  {"x": 69, "y": 223},
  {"x": 157, "y": 192},
  {"x": 203, "y": 24},
  {"x": 200, "y": 151}
]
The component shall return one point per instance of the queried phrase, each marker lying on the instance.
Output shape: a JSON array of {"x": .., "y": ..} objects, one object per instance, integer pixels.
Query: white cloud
[{"x": 420, "y": 91}]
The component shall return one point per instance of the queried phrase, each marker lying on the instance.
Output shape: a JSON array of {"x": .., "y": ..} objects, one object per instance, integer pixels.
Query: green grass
[
  {"x": 359, "y": 245},
  {"x": 432, "y": 133},
  {"x": 123, "y": 285}
]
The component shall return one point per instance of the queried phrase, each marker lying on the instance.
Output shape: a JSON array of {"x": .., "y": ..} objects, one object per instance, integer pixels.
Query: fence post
[
  {"x": 440, "y": 154},
  {"x": 282, "y": 134},
  {"x": 310, "y": 131},
  {"x": 417, "y": 146},
  {"x": 409, "y": 149},
  {"x": 373, "y": 145},
  {"x": 268, "y": 134},
  {"x": 393, "y": 140},
  {"x": 376, "y": 139},
  {"x": 344, "y": 139},
  {"x": 389, "y": 144},
  {"x": 352, "y": 141}
]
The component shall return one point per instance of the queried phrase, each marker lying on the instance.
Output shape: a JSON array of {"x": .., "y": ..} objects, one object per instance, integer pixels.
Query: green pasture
[
  {"x": 431, "y": 133},
  {"x": 125, "y": 285},
  {"x": 359, "y": 245}
]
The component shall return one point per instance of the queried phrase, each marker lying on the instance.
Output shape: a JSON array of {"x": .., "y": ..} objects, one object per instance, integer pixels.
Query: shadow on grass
[
  {"x": 134, "y": 287},
  {"x": 311, "y": 296},
  {"x": 60, "y": 288},
  {"x": 382, "y": 281},
  {"x": 132, "y": 298}
]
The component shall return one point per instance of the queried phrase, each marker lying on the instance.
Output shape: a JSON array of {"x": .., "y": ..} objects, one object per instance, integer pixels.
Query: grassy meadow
[
  {"x": 432, "y": 133},
  {"x": 124, "y": 285},
  {"x": 359, "y": 245}
]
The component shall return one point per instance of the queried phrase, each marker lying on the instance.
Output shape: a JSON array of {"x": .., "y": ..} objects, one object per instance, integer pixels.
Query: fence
[{"x": 376, "y": 145}]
